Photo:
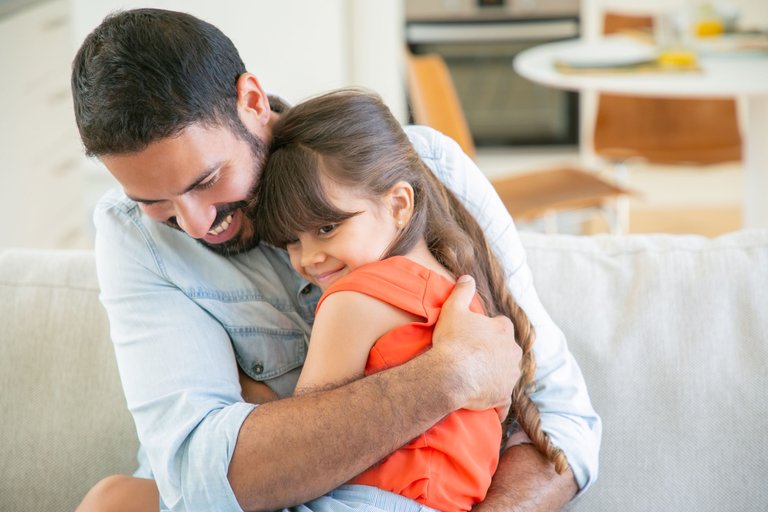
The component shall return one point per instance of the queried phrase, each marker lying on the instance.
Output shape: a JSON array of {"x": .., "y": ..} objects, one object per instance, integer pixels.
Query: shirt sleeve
[
  {"x": 177, "y": 368},
  {"x": 561, "y": 394}
]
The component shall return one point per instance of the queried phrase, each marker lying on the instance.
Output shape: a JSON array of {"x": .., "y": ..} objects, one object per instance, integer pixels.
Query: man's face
[{"x": 198, "y": 182}]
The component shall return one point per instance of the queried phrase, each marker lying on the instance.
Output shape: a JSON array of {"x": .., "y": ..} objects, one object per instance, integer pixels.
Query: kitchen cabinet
[{"x": 41, "y": 197}]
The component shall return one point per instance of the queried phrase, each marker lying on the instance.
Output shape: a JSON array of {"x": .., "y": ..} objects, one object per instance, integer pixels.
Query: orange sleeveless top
[{"x": 450, "y": 466}]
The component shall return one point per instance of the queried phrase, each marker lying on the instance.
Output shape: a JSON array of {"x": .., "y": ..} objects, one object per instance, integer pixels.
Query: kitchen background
[{"x": 298, "y": 48}]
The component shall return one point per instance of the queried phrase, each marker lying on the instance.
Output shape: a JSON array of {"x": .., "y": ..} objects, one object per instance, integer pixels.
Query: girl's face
[{"x": 324, "y": 255}]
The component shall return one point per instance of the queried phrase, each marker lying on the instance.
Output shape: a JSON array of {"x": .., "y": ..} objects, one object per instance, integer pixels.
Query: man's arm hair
[
  {"x": 293, "y": 450},
  {"x": 526, "y": 482}
]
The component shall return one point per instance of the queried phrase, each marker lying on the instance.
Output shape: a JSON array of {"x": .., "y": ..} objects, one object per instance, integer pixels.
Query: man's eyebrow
[
  {"x": 200, "y": 178},
  {"x": 143, "y": 201}
]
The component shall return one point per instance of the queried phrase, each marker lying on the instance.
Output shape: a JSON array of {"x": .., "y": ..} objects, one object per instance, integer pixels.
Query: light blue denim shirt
[{"x": 182, "y": 318}]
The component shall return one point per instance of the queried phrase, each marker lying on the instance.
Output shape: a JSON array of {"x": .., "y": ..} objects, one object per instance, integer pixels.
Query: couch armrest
[
  {"x": 671, "y": 333},
  {"x": 65, "y": 423}
]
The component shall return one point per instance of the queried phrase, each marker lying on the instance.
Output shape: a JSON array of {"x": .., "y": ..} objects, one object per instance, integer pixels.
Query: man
[{"x": 163, "y": 99}]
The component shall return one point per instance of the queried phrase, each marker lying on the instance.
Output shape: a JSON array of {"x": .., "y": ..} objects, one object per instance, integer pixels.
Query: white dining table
[{"x": 743, "y": 76}]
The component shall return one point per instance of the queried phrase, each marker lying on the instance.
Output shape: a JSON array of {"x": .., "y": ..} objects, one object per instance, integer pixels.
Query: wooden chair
[
  {"x": 658, "y": 130},
  {"x": 545, "y": 193}
]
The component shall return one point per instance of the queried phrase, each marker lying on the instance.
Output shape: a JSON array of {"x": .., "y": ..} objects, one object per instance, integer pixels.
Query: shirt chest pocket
[
  {"x": 274, "y": 358},
  {"x": 264, "y": 354},
  {"x": 270, "y": 340}
]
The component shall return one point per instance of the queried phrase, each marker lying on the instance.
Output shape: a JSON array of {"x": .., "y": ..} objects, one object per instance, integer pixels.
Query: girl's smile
[{"x": 325, "y": 254}]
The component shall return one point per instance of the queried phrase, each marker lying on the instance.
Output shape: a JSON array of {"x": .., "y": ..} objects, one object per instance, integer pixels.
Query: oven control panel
[{"x": 475, "y": 10}]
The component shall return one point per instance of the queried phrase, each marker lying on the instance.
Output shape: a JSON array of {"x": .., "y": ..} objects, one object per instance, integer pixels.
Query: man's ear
[
  {"x": 400, "y": 202},
  {"x": 252, "y": 104}
]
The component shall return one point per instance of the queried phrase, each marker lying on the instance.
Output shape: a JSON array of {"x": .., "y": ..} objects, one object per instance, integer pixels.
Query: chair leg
[
  {"x": 550, "y": 222},
  {"x": 622, "y": 202},
  {"x": 622, "y": 215},
  {"x": 620, "y": 169}
]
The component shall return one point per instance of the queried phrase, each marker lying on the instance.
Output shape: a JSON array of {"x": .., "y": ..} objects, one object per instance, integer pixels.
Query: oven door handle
[{"x": 530, "y": 30}]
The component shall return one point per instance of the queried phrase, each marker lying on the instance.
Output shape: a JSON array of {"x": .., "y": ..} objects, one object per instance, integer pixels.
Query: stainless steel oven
[{"x": 478, "y": 40}]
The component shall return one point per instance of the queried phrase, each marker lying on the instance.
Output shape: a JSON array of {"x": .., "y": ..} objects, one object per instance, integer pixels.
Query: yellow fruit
[
  {"x": 677, "y": 58},
  {"x": 708, "y": 28}
]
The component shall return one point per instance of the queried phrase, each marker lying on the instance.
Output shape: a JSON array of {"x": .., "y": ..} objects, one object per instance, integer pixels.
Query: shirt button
[
  {"x": 257, "y": 368},
  {"x": 306, "y": 290}
]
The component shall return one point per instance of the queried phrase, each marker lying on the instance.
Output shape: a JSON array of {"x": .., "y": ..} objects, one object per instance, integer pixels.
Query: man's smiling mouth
[{"x": 222, "y": 227}]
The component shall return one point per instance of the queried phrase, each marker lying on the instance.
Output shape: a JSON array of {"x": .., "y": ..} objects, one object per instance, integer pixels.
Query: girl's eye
[{"x": 326, "y": 230}]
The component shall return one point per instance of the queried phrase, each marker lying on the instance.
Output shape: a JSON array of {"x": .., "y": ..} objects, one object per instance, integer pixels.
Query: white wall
[
  {"x": 377, "y": 38},
  {"x": 297, "y": 48}
]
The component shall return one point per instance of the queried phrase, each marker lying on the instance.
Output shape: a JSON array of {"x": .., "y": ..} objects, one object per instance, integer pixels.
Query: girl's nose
[{"x": 311, "y": 254}]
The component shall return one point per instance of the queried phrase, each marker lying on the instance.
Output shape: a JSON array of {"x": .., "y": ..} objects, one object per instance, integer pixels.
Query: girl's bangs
[{"x": 293, "y": 199}]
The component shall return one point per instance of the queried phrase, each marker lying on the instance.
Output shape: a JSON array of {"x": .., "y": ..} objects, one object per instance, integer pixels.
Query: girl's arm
[{"x": 346, "y": 326}]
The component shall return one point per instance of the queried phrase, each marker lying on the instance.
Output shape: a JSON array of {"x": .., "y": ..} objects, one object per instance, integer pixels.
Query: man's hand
[
  {"x": 255, "y": 392},
  {"x": 525, "y": 481},
  {"x": 292, "y": 450},
  {"x": 483, "y": 349}
]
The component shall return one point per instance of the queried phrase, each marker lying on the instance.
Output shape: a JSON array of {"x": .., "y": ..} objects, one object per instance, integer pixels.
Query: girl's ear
[{"x": 400, "y": 201}]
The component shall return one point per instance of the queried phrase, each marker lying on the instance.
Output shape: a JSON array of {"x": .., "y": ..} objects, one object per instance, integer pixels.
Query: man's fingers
[
  {"x": 462, "y": 294},
  {"x": 484, "y": 349}
]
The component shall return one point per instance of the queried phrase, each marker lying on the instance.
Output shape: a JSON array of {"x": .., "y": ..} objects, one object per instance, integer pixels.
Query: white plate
[{"x": 608, "y": 52}]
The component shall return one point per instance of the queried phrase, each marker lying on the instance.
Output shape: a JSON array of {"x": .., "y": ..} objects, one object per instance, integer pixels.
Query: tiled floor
[{"x": 670, "y": 199}]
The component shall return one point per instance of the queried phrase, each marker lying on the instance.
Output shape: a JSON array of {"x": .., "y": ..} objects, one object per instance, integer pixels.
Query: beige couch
[{"x": 671, "y": 333}]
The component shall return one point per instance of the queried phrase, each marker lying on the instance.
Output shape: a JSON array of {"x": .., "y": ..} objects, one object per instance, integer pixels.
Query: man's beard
[{"x": 247, "y": 238}]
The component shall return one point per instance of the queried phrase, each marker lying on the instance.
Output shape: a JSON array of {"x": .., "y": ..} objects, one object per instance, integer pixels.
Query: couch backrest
[
  {"x": 671, "y": 333},
  {"x": 64, "y": 421}
]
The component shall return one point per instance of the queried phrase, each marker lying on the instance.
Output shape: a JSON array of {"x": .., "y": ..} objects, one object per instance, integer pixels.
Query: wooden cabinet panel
[{"x": 41, "y": 198}]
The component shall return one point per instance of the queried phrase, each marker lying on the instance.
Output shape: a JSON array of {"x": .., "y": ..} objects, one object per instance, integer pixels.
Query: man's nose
[{"x": 194, "y": 218}]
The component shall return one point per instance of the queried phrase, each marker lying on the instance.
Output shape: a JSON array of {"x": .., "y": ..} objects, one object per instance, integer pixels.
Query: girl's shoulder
[
  {"x": 399, "y": 282},
  {"x": 362, "y": 316}
]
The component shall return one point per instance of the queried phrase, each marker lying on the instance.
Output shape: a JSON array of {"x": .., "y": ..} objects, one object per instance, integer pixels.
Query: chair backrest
[
  {"x": 660, "y": 130},
  {"x": 434, "y": 100},
  {"x": 614, "y": 22},
  {"x": 675, "y": 131}
]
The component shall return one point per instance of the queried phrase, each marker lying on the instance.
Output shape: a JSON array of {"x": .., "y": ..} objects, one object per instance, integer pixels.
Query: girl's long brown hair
[{"x": 351, "y": 137}]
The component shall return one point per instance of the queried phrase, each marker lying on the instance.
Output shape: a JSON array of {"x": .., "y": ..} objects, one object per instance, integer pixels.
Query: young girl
[{"x": 363, "y": 218}]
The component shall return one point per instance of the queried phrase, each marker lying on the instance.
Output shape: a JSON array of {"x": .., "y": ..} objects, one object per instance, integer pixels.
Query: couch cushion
[
  {"x": 65, "y": 423},
  {"x": 671, "y": 333}
]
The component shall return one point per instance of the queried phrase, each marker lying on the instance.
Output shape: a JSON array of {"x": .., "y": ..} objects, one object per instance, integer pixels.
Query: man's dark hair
[{"x": 146, "y": 74}]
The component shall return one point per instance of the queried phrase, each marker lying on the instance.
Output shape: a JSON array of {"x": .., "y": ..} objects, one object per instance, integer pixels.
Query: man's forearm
[
  {"x": 290, "y": 451},
  {"x": 526, "y": 482},
  {"x": 293, "y": 450}
]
